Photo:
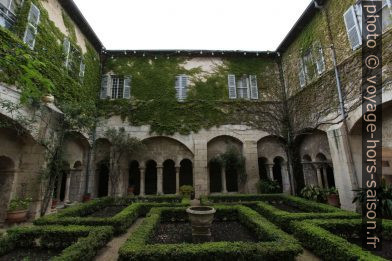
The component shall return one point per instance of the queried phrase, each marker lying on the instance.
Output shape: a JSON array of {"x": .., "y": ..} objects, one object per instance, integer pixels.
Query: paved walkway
[{"x": 110, "y": 251}]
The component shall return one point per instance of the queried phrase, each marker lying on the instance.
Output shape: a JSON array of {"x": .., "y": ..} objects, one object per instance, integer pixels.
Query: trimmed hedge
[
  {"x": 78, "y": 242},
  {"x": 320, "y": 211},
  {"x": 327, "y": 238},
  {"x": 281, "y": 246},
  {"x": 77, "y": 215}
]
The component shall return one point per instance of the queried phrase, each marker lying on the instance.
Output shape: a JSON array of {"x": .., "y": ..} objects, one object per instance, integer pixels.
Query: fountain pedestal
[{"x": 201, "y": 220}]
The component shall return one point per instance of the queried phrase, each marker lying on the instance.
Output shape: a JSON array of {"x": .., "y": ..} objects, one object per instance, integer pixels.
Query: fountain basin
[{"x": 201, "y": 220}]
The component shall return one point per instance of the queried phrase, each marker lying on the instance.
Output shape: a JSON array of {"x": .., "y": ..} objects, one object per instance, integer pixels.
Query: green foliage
[
  {"x": 80, "y": 242},
  {"x": 19, "y": 204},
  {"x": 314, "y": 193},
  {"x": 325, "y": 238},
  {"x": 280, "y": 247},
  {"x": 268, "y": 186},
  {"x": 186, "y": 190},
  {"x": 383, "y": 196}
]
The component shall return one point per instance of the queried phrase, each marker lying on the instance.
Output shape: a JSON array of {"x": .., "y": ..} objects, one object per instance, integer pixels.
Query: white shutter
[
  {"x": 302, "y": 79},
  {"x": 254, "y": 91},
  {"x": 352, "y": 27},
  {"x": 320, "y": 62},
  {"x": 32, "y": 26},
  {"x": 232, "y": 86},
  {"x": 104, "y": 86},
  {"x": 127, "y": 87},
  {"x": 67, "y": 48},
  {"x": 184, "y": 87}
]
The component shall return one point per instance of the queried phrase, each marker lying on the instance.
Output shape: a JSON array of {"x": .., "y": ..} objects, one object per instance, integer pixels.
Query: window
[
  {"x": 353, "y": 21},
  {"x": 7, "y": 12},
  {"x": 32, "y": 26},
  {"x": 311, "y": 64},
  {"x": 115, "y": 87},
  {"x": 243, "y": 87},
  {"x": 73, "y": 59},
  {"x": 181, "y": 86}
]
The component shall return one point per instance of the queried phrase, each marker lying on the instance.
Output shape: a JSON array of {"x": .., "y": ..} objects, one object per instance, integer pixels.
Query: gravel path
[{"x": 110, "y": 251}]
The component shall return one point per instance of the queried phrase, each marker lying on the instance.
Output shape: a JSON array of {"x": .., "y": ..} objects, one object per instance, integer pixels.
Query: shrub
[
  {"x": 281, "y": 246},
  {"x": 19, "y": 204},
  {"x": 314, "y": 193},
  {"x": 322, "y": 238},
  {"x": 186, "y": 190},
  {"x": 77, "y": 242},
  {"x": 266, "y": 186}
]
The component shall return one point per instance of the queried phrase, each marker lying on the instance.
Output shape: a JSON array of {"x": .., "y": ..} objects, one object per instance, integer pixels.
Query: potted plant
[
  {"x": 131, "y": 190},
  {"x": 314, "y": 193},
  {"x": 267, "y": 186},
  {"x": 54, "y": 203},
  {"x": 17, "y": 210},
  {"x": 333, "y": 197},
  {"x": 186, "y": 191}
]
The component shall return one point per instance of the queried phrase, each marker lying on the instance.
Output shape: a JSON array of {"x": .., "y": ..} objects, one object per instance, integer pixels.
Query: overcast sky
[{"x": 192, "y": 24}]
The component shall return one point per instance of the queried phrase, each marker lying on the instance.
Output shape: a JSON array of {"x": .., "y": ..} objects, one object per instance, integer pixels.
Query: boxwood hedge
[
  {"x": 78, "y": 214},
  {"x": 279, "y": 245},
  {"x": 328, "y": 238},
  {"x": 77, "y": 242}
]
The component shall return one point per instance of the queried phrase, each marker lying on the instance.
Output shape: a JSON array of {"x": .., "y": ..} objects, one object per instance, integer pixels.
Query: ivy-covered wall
[
  {"x": 42, "y": 71},
  {"x": 153, "y": 100}
]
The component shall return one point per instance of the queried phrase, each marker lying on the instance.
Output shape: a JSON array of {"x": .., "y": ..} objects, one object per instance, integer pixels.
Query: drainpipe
[{"x": 339, "y": 89}]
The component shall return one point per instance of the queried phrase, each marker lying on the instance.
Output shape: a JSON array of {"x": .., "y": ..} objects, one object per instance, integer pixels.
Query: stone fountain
[{"x": 201, "y": 218}]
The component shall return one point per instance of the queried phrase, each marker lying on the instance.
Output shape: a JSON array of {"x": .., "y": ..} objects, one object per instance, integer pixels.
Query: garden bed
[
  {"x": 276, "y": 245},
  {"x": 108, "y": 211},
  {"x": 337, "y": 239},
  {"x": 181, "y": 232},
  {"x": 53, "y": 242},
  {"x": 81, "y": 214}
]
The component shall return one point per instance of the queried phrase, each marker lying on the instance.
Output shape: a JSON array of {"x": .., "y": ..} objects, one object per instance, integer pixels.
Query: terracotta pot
[
  {"x": 54, "y": 203},
  {"x": 333, "y": 200},
  {"x": 86, "y": 197},
  {"x": 48, "y": 98},
  {"x": 17, "y": 216},
  {"x": 131, "y": 190}
]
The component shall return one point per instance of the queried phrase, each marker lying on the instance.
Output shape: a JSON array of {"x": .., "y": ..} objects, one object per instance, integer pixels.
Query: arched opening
[
  {"x": 169, "y": 177},
  {"x": 6, "y": 178},
  {"x": 277, "y": 170},
  {"x": 151, "y": 178},
  {"x": 263, "y": 168},
  {"x": 186, "y": 173},
  {"x": 308, "y": 170},
  {"x": 330, "y": 176},
  {"x": 61, "y": 182},
  {"x": 103, "y": 179},
  {"x": 134, "y": 177},
  {"x": 215, "y": 177}
]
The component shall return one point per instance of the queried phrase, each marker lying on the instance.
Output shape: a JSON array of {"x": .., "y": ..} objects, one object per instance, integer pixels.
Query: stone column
[
  {"x": 177, "y": 180},
  {"x": 319, "y": 178},
  {"x": 159, "y": 179},
  {"x": 270, "y": 171},
  {"x": 67, "y": 187},
  {"x": 58, "y": 191},
  {"x": 142, "y": 179},
  {"x": 325, "y": 177},
  {"x": 285, "y": 179},
  {"x": 223, "y": 177}
]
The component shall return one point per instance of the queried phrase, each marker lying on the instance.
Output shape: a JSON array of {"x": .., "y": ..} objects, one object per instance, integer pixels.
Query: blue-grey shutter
[
  {"x": 184, "y": 87},
  {"x": 82, "y": 69},
  {"x": 34, "y": 15},
  {"x": 353, "y": 28},
  {"x": 177, "y": 86},
  {"x": 302, "y": 79},
  {"x": 127, "y": 87},
  {"x": 104, "y": 86},
  {"x": 254, "y": 90},
  {"x": 232, "y": 86}
]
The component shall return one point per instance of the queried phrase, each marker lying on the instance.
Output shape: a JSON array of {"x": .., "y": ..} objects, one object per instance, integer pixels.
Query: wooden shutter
[
  {"x": 232, "y": 86},
  {"x": 254, "y": 91},
  {"x": 127, "y": 87},
  {"x": 353, "y": 28},
  {"x": 67, "y": 49},
  {"x": 104, "y": 86},
  {"x": 302, "y": 79}
]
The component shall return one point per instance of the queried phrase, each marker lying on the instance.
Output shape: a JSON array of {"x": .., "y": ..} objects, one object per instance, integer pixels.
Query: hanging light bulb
[
  {"x": 155, "y": 57},
  {"x": 201, "y": 52},
  {"x": 144, "y": 54}
]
